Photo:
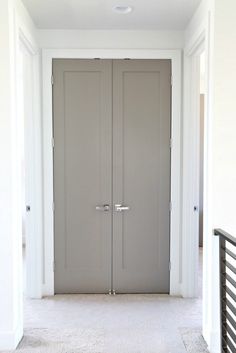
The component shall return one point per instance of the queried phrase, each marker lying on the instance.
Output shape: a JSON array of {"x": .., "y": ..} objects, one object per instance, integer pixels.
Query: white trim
[
  {"x": 10, "y": 339},
  {"x": 196, "y": 44},
  {"x": 28, "y": 44},
  {"x": 34, "y": 237},
  {"x": 175, "y": 239},
  {"x": 191, "y": 149}
]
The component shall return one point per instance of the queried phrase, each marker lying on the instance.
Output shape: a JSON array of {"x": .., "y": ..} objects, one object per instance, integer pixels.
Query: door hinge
[
  {"x": 53, "y": 142},
  {"x": 53, "y": 206},
  {"x": 52, "y": 80},
  {"x": 170, "y": 206},
  {"x": 171, "y": 80},
  {"x": 169, "y": 266},
  {"x": 171, "y": 143},
  {"x": 54, "y": 266}
]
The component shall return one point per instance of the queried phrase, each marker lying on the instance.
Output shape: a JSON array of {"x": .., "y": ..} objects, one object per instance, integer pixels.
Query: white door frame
[
  {"x": 175, "y": 219},
  {"x": 35, "y": 190},
  {"x": 191, "y": 166}
]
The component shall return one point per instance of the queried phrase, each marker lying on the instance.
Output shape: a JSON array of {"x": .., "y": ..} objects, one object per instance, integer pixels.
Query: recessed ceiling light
[{"x": 122, "y": 9}]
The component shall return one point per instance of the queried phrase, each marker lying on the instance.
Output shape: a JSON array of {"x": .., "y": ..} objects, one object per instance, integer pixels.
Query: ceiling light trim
[{"x": 122, "y": 10}]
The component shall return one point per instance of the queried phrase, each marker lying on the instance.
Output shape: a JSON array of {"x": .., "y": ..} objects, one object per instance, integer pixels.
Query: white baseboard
[
  {"x": 214, "y": 344},
  {"x": 9, "y": 340},
  {"x": 47, "y": 291}
]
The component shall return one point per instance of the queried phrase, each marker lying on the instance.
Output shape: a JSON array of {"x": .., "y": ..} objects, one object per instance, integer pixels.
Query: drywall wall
[
  {"x": 13, "y": 17},
  {"x": 27, "y": 34},
  {"x": 11, "y": 323},
  {"x": 220, "y": 158},
  {"x": 110, "y": 39},
  {"x": 223, "y": 126},
  {"x": 224, "y": 123},
  {"x": 200, "y": 27}
]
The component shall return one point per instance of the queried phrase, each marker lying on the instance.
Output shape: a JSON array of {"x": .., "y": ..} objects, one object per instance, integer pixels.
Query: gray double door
[{"x": 111, "y": 175}]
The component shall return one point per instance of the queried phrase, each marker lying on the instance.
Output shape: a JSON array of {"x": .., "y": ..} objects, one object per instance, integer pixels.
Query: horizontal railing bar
[
  {"x": 226, "y": 350},
  {"x": 226, "y": 276},
  {"x": 224, "y": 343},
  {"x": 231, "y": 267},
  {"x": 227, "y": 281},
  {"x": 229, "y": 305},
  {"x": 225, "y": 236},
  {"x": 229, "y": 252},
  {"x": 228, "y": 343},
  {"x": 229, "y": 291},
  {"x": 229, "y": 331},
  {"x": 227, "y": 316}
]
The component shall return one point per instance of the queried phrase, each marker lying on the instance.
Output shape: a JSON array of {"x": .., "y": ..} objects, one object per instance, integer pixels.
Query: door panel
[
  {"x": 82, "y": 105},
  {"x": 141, "y": 175}
]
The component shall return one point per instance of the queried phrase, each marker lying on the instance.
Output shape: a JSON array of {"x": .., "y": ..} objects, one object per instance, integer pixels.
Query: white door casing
[{"x": 175, "y": 222}]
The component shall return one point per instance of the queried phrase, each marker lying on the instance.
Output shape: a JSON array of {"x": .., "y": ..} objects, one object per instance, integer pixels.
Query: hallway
[
  {"x": 137, "y": 323},
  {"x": 109, "y": 324}
]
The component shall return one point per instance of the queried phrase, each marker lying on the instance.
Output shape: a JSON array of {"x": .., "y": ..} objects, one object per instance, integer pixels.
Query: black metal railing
[{"x": 227, "y": 290}]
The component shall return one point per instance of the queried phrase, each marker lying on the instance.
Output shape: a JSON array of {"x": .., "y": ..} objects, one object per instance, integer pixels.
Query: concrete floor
[{"x": 121, "y": 323}]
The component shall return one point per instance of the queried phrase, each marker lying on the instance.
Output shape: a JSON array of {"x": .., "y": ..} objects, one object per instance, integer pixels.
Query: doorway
[
  {"x": 201, "y": 165},
  {"x": 112, "y": 126},
  {"x": 25, "y": 104},
  {"x": 29, "y": 114}
]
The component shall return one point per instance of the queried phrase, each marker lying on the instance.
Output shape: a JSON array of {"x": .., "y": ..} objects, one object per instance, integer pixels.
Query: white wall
[
  {"x": 224, "y": 124},
  {"x": 222, "y": 156},
  {"x": 217, "y": 19},
  {"x": 10, "y": 198},
  {"x": 113, "y": 39},
  {"x": 27, "y": 37},
  {"x": 12, "y": 17},
  {"x": 201, "y": 23}
]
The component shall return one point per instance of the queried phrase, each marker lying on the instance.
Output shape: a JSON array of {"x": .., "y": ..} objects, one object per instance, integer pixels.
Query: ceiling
[{"x": 98, "y": 14}]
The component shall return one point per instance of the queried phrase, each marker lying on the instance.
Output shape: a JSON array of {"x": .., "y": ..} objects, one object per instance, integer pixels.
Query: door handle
[
  {"x": 120, "y": 208},
  {"x": 104, "y": 208}
]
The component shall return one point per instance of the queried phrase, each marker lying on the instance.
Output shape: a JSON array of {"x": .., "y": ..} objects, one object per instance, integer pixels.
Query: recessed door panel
[
  {"x": 141, "y": 140},
  {"x": 82, "y": 175}
]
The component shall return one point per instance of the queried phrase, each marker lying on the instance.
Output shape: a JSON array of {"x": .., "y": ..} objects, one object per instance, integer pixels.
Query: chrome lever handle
[
  {"x": 104, "y": 208},
  {"x": 120, "y": 208}
]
